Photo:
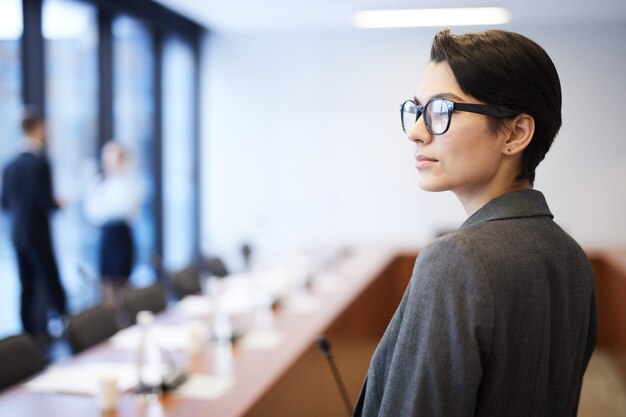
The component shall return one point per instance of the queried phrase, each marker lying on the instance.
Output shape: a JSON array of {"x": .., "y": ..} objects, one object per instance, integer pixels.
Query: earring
[{"x": 508, "y": 150}]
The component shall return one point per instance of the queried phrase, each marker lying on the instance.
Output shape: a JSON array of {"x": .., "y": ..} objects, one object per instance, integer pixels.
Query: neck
[
  {"x": 472, "y": 200},
  {"x": 34, "y": 145}
]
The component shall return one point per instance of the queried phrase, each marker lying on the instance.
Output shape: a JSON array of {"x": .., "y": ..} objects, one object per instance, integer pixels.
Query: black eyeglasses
[{"x": 438, "y": 112}]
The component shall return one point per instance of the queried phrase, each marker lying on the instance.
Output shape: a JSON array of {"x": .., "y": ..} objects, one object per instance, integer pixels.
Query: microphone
[{"x": 324, "y": 345}]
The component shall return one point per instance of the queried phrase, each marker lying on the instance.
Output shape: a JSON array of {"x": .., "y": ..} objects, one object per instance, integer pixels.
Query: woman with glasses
[{"x": 499, "y": 318}]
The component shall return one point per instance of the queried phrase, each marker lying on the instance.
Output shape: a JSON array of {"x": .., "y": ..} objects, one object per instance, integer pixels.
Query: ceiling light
[{"x": 403, "y": 18}]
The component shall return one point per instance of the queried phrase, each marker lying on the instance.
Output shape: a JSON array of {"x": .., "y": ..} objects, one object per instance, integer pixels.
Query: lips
[
  {"x": 420, "y": 158},
  {"x": 423, "y": 161}
]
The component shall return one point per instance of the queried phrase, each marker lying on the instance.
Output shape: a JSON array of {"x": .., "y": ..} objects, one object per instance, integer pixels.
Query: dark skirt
[{"x": 117, "y": 251}]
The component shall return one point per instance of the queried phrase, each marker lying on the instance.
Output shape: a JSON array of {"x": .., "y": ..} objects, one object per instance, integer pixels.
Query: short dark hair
[
  {"x": 31, "y": 117},
  {"x": 507, "y": 69}
]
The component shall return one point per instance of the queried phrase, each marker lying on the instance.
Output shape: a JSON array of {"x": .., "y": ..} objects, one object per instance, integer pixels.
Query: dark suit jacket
[
  {"x": 499, "y": 319},
  {"x": 27, "y": 194}
]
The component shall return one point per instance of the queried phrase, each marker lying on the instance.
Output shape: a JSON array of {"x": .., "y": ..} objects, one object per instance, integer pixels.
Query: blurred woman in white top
[{"x": 112, "y": 202}]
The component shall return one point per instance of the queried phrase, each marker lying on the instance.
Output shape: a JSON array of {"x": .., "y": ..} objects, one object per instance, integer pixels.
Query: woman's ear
[{"x": 519, "y": 134}]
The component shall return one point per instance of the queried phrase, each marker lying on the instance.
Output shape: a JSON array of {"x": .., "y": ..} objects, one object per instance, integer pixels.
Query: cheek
[{"x": 472, "y": 157}]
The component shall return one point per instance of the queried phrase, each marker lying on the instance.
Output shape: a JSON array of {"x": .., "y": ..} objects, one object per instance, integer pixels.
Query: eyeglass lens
[
  {"x": 436, "y": 116},
  {"x": 410, "y": 113}
]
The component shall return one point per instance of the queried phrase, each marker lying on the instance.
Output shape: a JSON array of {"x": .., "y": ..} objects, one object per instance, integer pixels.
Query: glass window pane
[
  {"x": 179, "y": 189},
  {"x": 133, "y": 125},
  {"x": 10, "y": 144},
  {"x": 70, "y": 33}
]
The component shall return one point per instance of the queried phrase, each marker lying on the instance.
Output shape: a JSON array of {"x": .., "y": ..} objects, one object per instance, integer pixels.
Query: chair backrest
[
  {"x": 187, "y": 281},
  {"x": 92, "y": 326},
  {"x": 216, "y": 267},
  {"x": 19, "y": 359},
  {"x": 149, "y": 298}
]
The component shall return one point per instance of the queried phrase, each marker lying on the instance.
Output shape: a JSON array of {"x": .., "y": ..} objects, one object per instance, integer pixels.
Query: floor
[{"x": 604, "y": 388}]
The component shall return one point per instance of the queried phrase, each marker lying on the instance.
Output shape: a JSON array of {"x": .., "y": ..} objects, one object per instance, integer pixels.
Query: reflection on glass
[
  {"x": 10, "y": 143},
  {"x": 178, "y": 163},
  {"x": 133, "y": 116},
  {"x": 70, "y": 33}
]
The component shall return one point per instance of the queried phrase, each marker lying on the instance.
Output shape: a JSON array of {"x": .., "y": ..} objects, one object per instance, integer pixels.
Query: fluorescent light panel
[{"x": 404, "y": 18}]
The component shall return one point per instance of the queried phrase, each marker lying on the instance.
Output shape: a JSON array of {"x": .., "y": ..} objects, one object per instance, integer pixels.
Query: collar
[{"x": 513, "y": 205}]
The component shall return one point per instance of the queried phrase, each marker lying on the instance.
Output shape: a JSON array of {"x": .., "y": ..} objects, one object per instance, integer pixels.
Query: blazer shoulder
[
  {"x": 452, "y": 260},
  {"x": 458, "y": 245}
]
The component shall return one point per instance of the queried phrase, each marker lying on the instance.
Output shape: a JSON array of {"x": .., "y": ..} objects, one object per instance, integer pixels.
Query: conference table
[
  {"x": 293, "y": 377},
  {"x": 290, "y": 378}
]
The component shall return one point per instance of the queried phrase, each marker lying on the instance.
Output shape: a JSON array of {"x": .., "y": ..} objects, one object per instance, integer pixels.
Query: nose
[{"x": 418, "y": 132}]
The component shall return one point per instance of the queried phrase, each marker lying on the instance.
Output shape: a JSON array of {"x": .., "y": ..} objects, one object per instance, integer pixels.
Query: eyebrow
[{"x": 449, "y": 96}]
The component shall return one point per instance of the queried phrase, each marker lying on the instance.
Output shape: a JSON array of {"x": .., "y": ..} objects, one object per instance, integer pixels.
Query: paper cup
[{"x": 108, "y": 392}]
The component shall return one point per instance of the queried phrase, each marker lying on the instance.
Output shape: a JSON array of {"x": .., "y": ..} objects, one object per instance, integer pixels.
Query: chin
[{"x": 431, "y": 186}]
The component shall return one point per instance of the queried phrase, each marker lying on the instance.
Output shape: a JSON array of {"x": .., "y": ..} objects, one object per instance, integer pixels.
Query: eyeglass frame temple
[{"x": 485, "y": 109}]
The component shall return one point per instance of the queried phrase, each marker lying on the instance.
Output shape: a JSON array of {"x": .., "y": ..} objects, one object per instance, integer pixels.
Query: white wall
[{"x": 302, "y": 142}]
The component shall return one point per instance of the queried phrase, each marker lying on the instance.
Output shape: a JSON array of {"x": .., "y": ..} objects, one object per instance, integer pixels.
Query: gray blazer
[{"x": 499, "y": 319}]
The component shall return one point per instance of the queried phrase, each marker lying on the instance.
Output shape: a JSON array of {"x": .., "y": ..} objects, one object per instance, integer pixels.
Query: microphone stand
[{"x": 324, "y": 345}]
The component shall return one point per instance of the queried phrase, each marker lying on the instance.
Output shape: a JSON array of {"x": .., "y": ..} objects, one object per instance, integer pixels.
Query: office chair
[
  {"x": 149, "y": 298},
  {"x": 187, "y": 281},
  {"x": 216, "y": 267},
  {"x": 19, "y": 359},
  {"x": 91, "y": 327}
]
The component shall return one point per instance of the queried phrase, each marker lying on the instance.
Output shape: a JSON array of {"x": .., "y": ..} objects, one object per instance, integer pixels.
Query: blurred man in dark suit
[{"x": 27, "y": 195}]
